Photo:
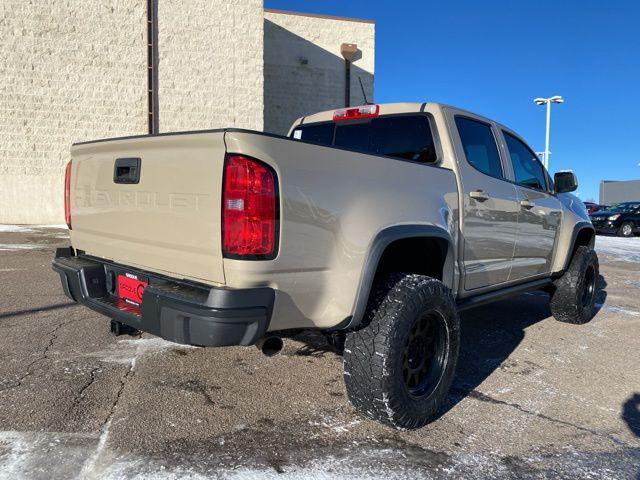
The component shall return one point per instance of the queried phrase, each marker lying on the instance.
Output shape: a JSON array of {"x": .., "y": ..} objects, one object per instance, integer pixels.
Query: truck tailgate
[{"x": 168, "y": 222}]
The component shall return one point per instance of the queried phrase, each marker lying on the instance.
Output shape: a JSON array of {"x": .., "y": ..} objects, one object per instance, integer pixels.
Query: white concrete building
[
  {"x": 618, "y": 191},
  {"x": 73, "y": 70}
]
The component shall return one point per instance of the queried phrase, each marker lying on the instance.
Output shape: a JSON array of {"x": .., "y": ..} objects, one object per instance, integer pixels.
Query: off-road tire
[
  {"x": 625, "y": 232},
  {"x": 374, "y": 355},
  {"x": 567, "y": 300}
]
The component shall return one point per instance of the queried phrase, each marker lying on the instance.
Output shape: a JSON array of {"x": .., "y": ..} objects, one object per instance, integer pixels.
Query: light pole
[{"x": 547, "y": 102}]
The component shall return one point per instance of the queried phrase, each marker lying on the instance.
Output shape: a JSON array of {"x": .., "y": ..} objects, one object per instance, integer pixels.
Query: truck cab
[{"x": 508, "y": 208}]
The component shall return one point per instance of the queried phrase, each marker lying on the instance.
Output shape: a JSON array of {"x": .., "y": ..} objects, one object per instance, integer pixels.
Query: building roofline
[
  {"x": 319, "y": 15},
  {"x": 614, "y": 181}
]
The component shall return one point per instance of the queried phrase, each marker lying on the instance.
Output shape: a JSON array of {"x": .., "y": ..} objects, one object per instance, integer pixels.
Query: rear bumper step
[{"x": 181, "y": 312}]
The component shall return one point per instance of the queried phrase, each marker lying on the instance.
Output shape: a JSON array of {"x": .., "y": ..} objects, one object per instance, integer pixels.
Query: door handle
[
  {"x": 527, "y": 204},
  {"x": 479, "y": 195}
]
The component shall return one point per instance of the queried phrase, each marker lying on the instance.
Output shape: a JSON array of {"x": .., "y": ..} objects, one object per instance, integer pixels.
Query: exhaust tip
[{"x": 270, "y": 346}]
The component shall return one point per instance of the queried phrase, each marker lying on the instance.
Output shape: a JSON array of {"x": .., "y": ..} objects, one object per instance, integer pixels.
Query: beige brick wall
[
  {"x": 73, "y": 70},
  {"x": 70, "y": 70},
  {"x": 293, "y": 89},
  {"x": 210, "y": 64}
]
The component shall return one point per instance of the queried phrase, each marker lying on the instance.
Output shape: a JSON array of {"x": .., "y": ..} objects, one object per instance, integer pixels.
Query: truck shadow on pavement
[
  {"x": 631, "y": 416},
  {"x": 631, "y": 413},
  {"x": 491, "y": 333},
  {"x": 315, "y": 344},
  {"x": 28, "y": 311}
]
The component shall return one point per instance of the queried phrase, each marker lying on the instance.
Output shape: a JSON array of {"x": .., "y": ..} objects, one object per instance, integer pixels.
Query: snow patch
[
  {"x": 15, "y": 229},
  {"x": 328, "y": 468},
  {"x": 618, "y": 309},
  {"x": 89, "y": 467},
  {"x": 29, "y": 454},
  {"x": 19, "y": 246},
  {"x": 625, "y": 249},
  {"x": 370, "y": 464},
  {"x": 45, "y": 455},
  {"x": 5, "y": 228},
  {"x": 126, "y": 351},
  {"x": 336, "y": 426}
]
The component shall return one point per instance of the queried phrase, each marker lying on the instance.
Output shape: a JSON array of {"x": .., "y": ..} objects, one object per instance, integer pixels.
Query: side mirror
[{"x": 565, "y": 182}]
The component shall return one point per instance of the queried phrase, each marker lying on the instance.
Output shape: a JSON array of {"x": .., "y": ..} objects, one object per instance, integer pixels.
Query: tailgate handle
[{"x": 127, "y": 170}]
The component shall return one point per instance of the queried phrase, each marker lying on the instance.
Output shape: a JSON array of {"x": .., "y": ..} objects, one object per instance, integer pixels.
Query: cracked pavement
[{"x": 533, "y": 398}]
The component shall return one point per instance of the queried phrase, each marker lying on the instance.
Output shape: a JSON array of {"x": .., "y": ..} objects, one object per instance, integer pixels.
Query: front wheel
[
  {"x": 625, "y": 230},
  {"x": 398, "y": 369},
  {"x": 574, "y": 294}
]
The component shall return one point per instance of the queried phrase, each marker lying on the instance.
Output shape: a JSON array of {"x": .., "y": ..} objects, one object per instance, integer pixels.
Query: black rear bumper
[{"x": 178, "y": 311}]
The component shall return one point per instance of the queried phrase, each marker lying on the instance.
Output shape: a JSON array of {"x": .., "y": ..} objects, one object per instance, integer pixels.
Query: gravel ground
[{"x": 533, "y": 398}]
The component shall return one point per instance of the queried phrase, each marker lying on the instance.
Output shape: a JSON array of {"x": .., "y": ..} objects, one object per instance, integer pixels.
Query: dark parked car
[
  {"x": 623, "y": 219},
  {"x": 594, "y": 207}
]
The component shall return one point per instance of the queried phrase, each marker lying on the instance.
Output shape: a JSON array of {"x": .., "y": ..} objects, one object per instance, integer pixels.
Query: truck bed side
[{"x": 334, "y": 202}]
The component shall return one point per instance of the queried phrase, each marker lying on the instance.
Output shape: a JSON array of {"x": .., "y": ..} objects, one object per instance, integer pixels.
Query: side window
[
  {"x": 527, "y": 168},
  {"x": 479, "y": 146}
]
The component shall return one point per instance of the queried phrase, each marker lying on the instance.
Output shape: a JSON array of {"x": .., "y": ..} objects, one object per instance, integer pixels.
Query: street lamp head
[{"x": 543, "y": 101}]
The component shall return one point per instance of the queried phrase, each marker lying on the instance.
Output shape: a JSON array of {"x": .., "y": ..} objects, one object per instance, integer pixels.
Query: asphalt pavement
[{"x": 533, "y": 398}]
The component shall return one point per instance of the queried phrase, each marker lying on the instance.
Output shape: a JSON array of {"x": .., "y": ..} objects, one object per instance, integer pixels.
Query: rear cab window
[
  {"x": 319, "y": 133},
  {"x": 407, "y": 137}
]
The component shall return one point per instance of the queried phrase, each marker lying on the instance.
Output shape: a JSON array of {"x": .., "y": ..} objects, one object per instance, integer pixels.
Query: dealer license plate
[{"x": 130, "y": 288}]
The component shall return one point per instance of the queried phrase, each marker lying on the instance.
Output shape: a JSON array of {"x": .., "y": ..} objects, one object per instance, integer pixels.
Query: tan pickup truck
[{"x": 374, "y": 224}]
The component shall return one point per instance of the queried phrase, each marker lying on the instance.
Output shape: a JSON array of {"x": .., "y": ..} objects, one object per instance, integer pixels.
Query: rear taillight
[
  {"x": 363, "y": 111},
  {"x": 67, "y": 195},
  {"x": 249, "y": 209}
]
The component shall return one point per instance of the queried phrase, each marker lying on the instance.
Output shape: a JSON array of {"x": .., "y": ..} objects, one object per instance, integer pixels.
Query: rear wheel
[
  {"x": 399, "y": 367},
  {"x": 574, "y": 294},
  {"x": 625, "y": 230}
]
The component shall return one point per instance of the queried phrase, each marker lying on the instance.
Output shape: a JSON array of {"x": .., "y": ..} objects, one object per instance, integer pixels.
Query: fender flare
[
  {"x": 381, "y": 241},
  {"x": 577, "y": 228}
]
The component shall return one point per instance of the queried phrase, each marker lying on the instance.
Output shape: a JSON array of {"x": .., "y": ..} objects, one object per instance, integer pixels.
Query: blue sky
[{"x": 494, "y": 57}]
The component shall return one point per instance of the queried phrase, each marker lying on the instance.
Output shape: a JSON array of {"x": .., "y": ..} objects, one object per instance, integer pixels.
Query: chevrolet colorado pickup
[{"x": 374, "y": 224}]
